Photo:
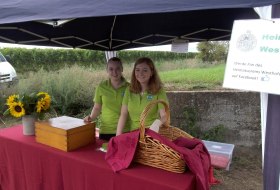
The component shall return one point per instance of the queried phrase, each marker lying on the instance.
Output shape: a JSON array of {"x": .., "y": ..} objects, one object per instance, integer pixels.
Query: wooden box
[{"x": 65, "y": 133}]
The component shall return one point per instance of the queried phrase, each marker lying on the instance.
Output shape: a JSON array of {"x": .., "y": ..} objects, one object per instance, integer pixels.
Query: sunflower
[
  {"x": 47, "y": 101},
  {"x": 25, "y": 104},
  {"x": 16, "y": 109},
  {"x": 44, "y": 102},
  {"x": 13, "y": 98},
  {"x": 43, "y": 94},
  {"x": 41, "y": 105}
]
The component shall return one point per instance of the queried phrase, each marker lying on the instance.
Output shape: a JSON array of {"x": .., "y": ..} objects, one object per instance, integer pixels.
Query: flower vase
[{"x": 28, "y": 124}]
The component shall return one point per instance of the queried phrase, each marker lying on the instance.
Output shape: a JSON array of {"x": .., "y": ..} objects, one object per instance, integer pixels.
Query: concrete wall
[{"x": 238, "y": 111}]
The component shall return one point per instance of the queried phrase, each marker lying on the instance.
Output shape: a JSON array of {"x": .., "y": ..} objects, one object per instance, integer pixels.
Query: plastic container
[{"x": 221, "y": 153}]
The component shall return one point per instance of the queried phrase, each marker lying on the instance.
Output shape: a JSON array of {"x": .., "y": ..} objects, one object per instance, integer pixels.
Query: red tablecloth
[{"x": 28, "y": 165}]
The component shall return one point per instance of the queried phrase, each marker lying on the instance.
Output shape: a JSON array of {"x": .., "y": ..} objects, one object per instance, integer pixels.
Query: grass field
[{"x": 194, "y": 78}]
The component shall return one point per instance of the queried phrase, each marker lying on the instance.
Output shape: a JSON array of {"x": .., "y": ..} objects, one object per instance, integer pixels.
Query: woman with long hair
[{"x": 145, "y": 87}]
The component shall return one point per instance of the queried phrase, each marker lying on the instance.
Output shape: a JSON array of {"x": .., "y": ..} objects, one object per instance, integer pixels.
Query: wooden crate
[{"x": 65, "y": 133}]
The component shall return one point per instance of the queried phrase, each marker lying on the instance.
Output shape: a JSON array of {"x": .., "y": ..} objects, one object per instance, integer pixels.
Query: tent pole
[
  {"x": 110, "y": 54},
  {"x": 270, "y": 105},
  {"x": 264, "y": 13},
  {"x": 111, "y": 33}
]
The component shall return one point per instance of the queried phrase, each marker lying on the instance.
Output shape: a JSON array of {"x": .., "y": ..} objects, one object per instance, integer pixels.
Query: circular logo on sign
[{"x": 246, "y": 42}]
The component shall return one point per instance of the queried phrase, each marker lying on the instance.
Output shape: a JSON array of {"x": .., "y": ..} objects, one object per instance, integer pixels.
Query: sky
[{"x": 191, "y": 48}]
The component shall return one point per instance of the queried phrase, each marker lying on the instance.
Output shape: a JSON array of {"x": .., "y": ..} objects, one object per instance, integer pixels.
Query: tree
[{"x": 212, "y": 51}]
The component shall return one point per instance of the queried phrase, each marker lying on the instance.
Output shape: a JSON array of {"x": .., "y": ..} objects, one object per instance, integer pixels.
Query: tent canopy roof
[
  {"x": 120, "y": 24},
  {"x": 29, "y": 10}
]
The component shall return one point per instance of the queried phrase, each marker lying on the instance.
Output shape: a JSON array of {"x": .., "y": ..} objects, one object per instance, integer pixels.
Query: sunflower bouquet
[{"x": 32, "y": 104}]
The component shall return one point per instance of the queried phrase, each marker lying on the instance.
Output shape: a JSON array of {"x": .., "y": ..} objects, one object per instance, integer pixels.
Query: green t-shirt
[
  {"x": 136, "y": 103},
  {"x": 111, "y": 101}
]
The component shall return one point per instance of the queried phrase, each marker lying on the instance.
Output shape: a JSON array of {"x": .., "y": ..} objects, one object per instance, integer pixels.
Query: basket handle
[{"x": 145, "y": 113}]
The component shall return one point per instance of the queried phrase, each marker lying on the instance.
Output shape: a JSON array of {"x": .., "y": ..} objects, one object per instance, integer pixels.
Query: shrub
[
  {"x": 71, "y": 89},
  {"x": 212, "y": 51},
  {"x": 216, "y": 133}
]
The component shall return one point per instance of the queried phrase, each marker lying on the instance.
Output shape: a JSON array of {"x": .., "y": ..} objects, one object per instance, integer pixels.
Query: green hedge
[
  {"x": 157, "y": 56},
  {"x": 53, "y": 59}
]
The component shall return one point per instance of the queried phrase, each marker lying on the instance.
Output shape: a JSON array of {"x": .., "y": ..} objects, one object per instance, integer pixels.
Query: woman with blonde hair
[
  {"x": 108, "y": 100},
  {"x": 145, "y": 86}
]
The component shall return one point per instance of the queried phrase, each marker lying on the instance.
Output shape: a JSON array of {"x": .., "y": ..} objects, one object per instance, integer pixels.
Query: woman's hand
[
  {"x": 88, "y": 119},
  {"x": 94, "y": 113}
]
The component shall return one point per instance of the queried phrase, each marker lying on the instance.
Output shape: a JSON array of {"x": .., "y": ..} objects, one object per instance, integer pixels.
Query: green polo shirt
[
  {"x": 111, "y": 101},
  {"x": 136, "y": 103}
]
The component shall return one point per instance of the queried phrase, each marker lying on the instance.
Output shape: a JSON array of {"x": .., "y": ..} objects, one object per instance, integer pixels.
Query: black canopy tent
[
  {"x": 126, "y": 31},
  {"x": 29, "y": 10},
  {"x": 121, "y": 24},
  {"x": 115, "y": 25}
]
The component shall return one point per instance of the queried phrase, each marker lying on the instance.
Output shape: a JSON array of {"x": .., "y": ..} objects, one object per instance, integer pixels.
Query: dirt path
[{"x": 245, "y": 171}]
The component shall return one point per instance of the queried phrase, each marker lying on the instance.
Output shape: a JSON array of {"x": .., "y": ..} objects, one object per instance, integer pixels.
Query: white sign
[
  {"x": 253, "y": 61},
  {"x": 179, "y": 46}
]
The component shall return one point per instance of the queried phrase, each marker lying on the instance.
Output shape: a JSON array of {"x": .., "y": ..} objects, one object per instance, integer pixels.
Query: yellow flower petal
[{"x": 11, "y": 99}]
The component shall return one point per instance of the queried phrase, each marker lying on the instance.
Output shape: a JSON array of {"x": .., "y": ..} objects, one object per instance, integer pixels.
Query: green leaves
[
  {"x": 212, "y": 51},
  {"x": 29, "y": 102},
  {"x": 7, "y": 112}
]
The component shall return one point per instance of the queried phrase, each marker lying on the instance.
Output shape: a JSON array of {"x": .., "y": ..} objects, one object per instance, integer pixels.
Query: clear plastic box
[{"x": 221, "y": 153}]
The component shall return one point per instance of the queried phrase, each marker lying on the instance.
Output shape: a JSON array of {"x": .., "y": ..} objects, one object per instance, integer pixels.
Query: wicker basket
[{"x": 153, "y": 153}]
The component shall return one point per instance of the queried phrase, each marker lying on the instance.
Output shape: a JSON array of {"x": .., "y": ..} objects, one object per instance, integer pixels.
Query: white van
[{"x": 7, "y": 72}]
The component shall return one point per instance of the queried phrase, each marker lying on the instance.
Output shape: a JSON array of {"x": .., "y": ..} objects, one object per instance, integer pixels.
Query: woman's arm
[
  {"x": 94, "y": 113},
  {"x": 163, "y": 116},
  {"x": 122, "y": 119}
]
